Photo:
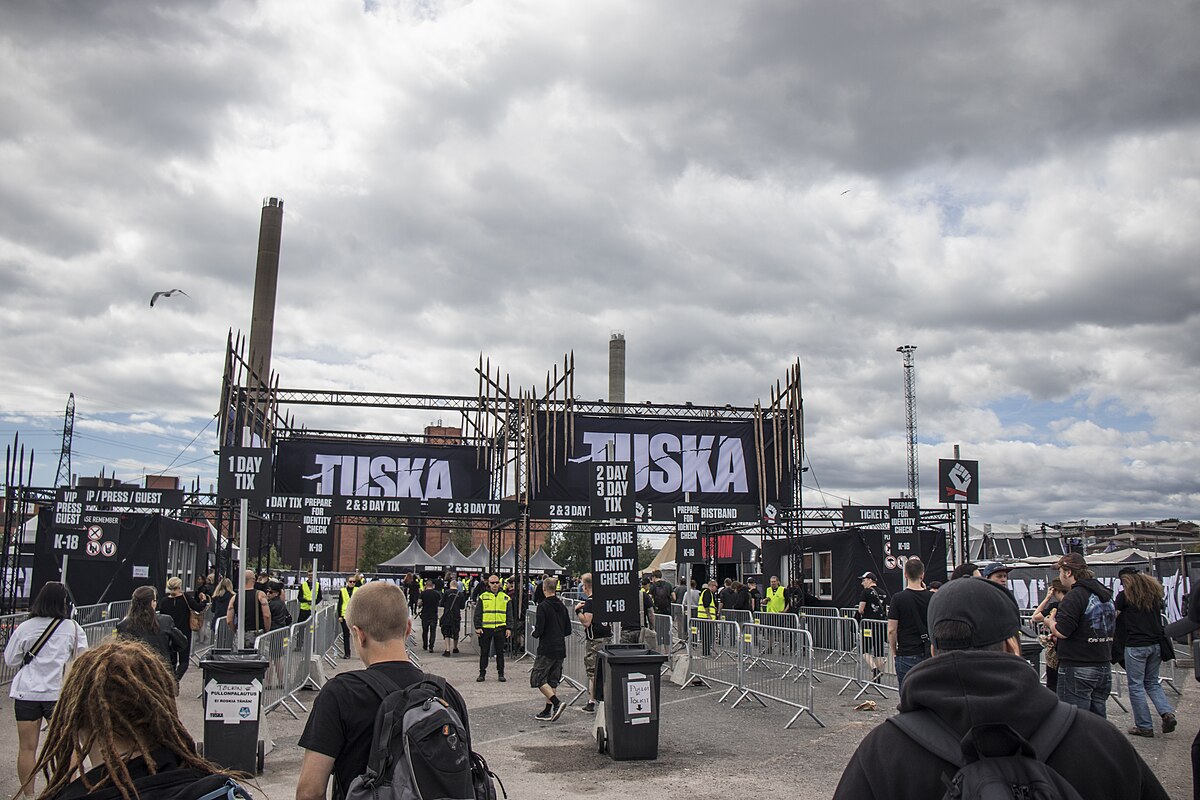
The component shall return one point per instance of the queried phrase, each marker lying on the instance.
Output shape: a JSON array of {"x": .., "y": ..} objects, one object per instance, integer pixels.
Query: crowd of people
[{"x": 948, "y": 645}]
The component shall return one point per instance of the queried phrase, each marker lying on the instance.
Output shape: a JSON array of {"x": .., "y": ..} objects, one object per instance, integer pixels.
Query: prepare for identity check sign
[
  {"x": 232, "y": 703},
  {"x": 614, "y": 574}
]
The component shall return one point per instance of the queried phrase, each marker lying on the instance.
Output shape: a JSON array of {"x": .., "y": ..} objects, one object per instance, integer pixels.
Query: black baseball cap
[
  {"x": 985, "y": 607},
  {"x": 870, "y": 575}
]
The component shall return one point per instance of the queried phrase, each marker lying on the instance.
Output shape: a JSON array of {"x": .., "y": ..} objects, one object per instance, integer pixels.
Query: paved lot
[{"x": 706, "y": 749}]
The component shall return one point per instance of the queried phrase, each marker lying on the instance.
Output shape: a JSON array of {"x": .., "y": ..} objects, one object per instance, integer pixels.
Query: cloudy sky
[{"x": 1013, "y": 187}]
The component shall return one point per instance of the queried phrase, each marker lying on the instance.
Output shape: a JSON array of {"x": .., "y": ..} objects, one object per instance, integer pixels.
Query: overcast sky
[{"x": 1013, "y": 187}]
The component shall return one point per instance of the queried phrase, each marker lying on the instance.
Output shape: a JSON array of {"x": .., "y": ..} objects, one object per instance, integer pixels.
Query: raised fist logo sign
[{"x": 959, "y": 481}]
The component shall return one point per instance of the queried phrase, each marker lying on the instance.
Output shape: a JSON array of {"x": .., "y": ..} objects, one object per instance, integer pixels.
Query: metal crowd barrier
[
  {"x": 781, "y": 669},
  {"x": 664, "y": 626},
  {"x": 86, "y": 615},
  {"x": 530, "y": 642},
  {"x": 222, "y": 636},
  {"x": 679, "y": 622},
  {"x": 574, "y": 671},
  {"x": 98, "y": 632},
  {"x": 8, "y": 624},
  {"x": 836, "y": 643},
  {"x": 118, "y": 610},
  {"x": 877, "y": 667},
  {"x": 326, "y": 631},
  {"x": 714, "y": 653},
  {"x": 288, "y": 668}
]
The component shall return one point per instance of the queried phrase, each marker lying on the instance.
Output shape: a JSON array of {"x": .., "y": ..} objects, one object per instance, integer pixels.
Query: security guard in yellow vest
[
  {"x": 706, "y": 609},
  {"x": 307, "y": 599},
  {"x": 493, "y": 625},
  {"x": 776, "y": 602},
  {"x": 343, "y": 604}
]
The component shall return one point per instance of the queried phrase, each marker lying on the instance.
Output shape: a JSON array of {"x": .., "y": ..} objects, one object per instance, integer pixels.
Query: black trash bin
[
  {"x": 627, "y": 683},
  {"x": 232, "y": 707},
  {"x": 1031, "y": 651}
]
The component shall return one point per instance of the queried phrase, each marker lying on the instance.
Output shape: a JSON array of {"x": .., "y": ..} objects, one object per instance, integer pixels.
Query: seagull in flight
[
  {"x": 846, "y": 192},
  {"x": 169, "y": 293}
]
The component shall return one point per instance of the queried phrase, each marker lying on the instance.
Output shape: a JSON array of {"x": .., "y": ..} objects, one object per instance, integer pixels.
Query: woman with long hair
[
  {"x": 41, "y": 646},
  {"x": 117, "y": 708},
  {"x": 179, "y": 605},
  {"x": 221, "y": 598},
  {"x": 144, "y": 623},
  {"x": 1139, "y": 609}
]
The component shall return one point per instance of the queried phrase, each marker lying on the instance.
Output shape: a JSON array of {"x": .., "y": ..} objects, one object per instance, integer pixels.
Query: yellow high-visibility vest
[
  {"x": 775, "y": 601},
  {"x": 495, "y": 609},
  {"x": 709, "y": 610},
  {"x": 306, "y": 596}
]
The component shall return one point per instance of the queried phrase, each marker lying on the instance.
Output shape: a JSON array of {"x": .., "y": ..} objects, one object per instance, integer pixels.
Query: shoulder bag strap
[
  {"x": 1052, "y": 730},
  {"x": 380, "y": 683},
  {"x": 928, "y": 730},
  {"x": 32, "y": 652}
]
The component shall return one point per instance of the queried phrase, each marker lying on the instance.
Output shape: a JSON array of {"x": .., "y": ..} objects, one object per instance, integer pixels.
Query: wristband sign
[
  {"x": 614, "y": 575},
  {"x": 97, "y": 541}
]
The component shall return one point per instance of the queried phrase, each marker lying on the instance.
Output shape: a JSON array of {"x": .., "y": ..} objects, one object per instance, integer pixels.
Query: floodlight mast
[{"x": 910, "y": 406}]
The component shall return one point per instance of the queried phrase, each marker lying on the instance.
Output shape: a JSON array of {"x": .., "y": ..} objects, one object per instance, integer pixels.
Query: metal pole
[
  {"x": 244, "y": 507},
  {"x": 960, "y": 538}
]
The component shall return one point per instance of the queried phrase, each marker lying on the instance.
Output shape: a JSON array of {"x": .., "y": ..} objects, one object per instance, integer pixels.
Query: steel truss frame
[{"x": 505, "y": 425}]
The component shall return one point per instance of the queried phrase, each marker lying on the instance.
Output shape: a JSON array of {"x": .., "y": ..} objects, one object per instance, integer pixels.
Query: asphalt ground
[{"x": 706, "y": 748}]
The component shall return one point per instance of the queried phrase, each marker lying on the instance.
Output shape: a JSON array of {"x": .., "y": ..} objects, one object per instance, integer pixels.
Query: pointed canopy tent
[
  {"x": 540, "y": 563},
  {"x": 508, "y": 561},
  {"x": 452, "y": 558},
  {"x": 479, "y": 559},
  {"x": 414, "y": 557}
]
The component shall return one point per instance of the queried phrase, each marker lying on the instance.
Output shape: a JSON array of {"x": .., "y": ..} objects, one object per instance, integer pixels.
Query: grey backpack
[{"x": 420, "y": 748}]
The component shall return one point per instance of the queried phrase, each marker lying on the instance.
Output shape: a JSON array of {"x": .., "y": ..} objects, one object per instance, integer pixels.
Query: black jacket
[
  {"x": 971, "y": 688},
  {"x": 550, "y": 627},
  {"x": 166, "y": 640},
  {"x": 171, "y": 780},
  {"x": 1086, "y": 621}
]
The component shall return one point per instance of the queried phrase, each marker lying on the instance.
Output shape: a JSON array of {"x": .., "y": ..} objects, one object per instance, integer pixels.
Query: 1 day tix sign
[
  {"x": 614, "y": 575},
  {"x": 245, "y": 474}
]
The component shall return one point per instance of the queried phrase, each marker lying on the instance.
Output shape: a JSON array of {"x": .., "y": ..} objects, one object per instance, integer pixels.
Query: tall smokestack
[
  {"x": 266, "y": 278},
  {"x": 616, "y": 367}
]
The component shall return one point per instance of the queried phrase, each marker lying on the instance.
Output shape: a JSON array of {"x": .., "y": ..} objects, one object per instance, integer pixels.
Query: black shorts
[
  {"x": 33, "y": 710},
  {"x": 546, "y": 670}
]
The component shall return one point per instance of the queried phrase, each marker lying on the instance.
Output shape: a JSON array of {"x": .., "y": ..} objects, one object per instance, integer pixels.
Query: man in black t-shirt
[
  {"x": 337, "y": 736},
  {"x": 725, "y": 596},
  {"x": 597, "y": 634},
  {"x": 872, "y": 606},
  {"x": 908, "y": 629}
]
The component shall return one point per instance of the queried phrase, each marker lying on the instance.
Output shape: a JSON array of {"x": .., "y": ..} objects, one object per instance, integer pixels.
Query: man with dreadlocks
[{"x": 117, "y": 707}]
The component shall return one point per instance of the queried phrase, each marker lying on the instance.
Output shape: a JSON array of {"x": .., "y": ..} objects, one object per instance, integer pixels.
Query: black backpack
[
  {"x": 994, "y": 761},
  {"x": 660, "y": 592},
  {"x": 420, "y": 748}
]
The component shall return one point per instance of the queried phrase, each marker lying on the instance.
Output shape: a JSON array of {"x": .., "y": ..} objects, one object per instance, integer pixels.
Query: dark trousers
[
  {"x": 490, "y": 637},
  {"x": 428, "y": 632},
  {"x": 179, "y": 658},
  {"x": 345, "y": 638}
]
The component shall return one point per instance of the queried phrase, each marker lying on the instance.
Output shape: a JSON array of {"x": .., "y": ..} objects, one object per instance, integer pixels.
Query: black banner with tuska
[
  {"x": 375, "y": 470},
  {"x": 706, "y": 462}
]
